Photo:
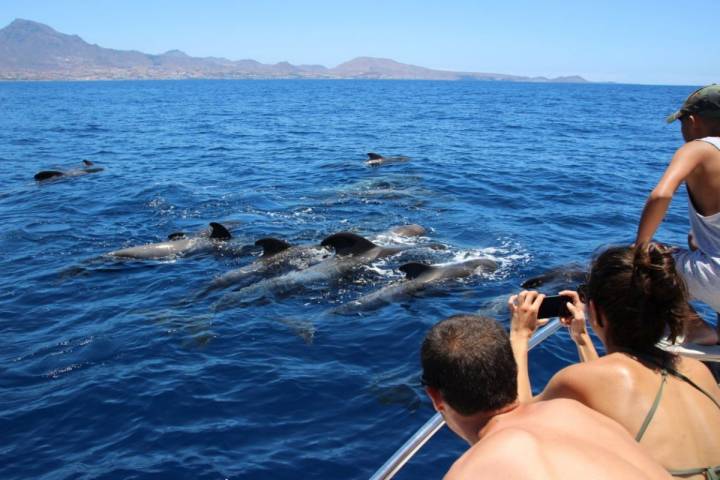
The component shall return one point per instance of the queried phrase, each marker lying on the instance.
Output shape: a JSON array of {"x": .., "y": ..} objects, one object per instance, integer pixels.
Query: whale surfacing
[
  {"x": 277, "y": 255},
  {"x": 177, "y": 244},
  {"x": 417, "y": 276},
  {"x": 350, "y": 244},
  {"x": 558, "y": 278},
  {"x": 375, "y": 159},
  {"x": 411, "y": 230},
  {"x": 351, "y": 252},
  {"x": 88, "y": 167}
]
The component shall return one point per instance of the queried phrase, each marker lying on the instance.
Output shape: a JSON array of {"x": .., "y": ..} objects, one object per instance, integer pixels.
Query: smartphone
[{"x": 554, "y": 306}]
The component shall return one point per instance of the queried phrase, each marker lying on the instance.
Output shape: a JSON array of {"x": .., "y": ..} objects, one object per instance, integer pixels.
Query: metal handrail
[{"x": 423, "y": 434}]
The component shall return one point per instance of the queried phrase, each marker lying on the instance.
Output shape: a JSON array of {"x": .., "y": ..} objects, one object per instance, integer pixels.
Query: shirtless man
[
  {"x": 697, "y": 163},
  {"x": 470, "y": 375}
]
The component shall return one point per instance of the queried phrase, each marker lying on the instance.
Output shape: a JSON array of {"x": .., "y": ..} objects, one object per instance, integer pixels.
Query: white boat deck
[{"x": 705, "y": 353}]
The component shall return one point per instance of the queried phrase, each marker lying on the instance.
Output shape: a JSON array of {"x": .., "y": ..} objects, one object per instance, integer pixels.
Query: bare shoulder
[
  {"x": 699, "y": 373},
  {"x": 496, "y": 456},
  {"x": 543, "y": 445},
  {"x": 695, "y": 151},
  {"x": 581, "y": 380}
]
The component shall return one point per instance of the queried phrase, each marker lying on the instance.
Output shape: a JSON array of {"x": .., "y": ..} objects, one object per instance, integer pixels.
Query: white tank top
[
  {"x": 715, "y": 141},
  {"x": 706, "y": 230}
]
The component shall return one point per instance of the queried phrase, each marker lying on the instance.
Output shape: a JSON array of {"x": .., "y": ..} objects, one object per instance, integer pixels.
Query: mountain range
[{"x": 34, "y": 51}]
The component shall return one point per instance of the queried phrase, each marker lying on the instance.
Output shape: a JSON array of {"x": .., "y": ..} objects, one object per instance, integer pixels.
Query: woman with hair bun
[{"x": 670, "y": 404}]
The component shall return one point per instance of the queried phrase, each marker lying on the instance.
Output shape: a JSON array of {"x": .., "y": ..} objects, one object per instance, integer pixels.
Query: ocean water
[{"x": 124, "y": 369}]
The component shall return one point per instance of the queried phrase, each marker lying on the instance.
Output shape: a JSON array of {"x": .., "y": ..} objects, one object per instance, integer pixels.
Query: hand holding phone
[{"x": 555, "y": 306}]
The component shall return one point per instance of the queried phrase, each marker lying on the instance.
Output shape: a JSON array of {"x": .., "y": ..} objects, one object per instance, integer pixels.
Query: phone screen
[{"x": 554, "y": 306}]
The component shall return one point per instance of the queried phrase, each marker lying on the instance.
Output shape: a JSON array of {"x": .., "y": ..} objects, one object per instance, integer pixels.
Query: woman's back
[
  {"x": 682, "y": 433},
  {"x": 635, "y": 298}
]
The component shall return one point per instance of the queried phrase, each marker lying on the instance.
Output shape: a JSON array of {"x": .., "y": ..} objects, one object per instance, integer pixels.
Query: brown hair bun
[{"x": 640, "y": 294}]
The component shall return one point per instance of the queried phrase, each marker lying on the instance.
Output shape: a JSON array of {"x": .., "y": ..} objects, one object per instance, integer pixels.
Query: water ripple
[{"x": 119, "y": 369}]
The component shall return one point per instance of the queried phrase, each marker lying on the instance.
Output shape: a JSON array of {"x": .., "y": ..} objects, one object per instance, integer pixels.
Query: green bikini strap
[
  {"x": 711, "y": 473},
  {"x": 651, "y": 412},
  {"x": 697, "y": 387}
]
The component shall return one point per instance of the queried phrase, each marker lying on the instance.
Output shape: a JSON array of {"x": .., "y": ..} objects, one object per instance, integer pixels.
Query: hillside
[{"x": 34, "y": 51}]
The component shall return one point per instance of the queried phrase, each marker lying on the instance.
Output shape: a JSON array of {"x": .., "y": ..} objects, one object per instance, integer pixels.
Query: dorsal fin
[
  {"x": 46, "y": 174},
  {"x": 88, "y": 163},
  {"x": 567, "y": 276},
  {"x": 374, "y": 156},
  {"x": 177, "y": 235},
  {"x": 272, "y": 246},
  {"x": 415, "y": 269},
  {"x": 346, "y": 243},
  {"x": 219, "y": 232},
  {"x": 534, "y": 282}
]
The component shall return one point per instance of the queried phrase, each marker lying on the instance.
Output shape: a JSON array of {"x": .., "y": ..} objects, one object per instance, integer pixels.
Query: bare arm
[
  {"x": 524, "y": 308},
  {"x": 682, "y": 164},
  {"x": 577, "y": 327},
  {"x": 519, "y": 343},
  {"x": 586, "y": 349}
]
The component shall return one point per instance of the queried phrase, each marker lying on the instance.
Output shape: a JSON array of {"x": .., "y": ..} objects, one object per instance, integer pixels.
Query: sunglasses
[{"x": 582, "y": 291}]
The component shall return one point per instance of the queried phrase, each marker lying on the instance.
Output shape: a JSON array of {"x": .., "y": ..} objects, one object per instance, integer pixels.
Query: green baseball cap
[{"x": 704, "y": 101}]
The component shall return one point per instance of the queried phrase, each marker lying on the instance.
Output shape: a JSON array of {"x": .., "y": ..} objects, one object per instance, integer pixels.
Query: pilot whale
[
  {"x": 560, "y": 278},
  {"x": 359, "y": 249},
  {"x": 375, "y": 159},
  {"x": 410, "y": 230},
  {"x": 351, "y": 252},
  {"x": 418, "y": 276},
  {"x": 178, "y": 243},
  {"x": 277, "y": 254},
  {"x": 89, "y": 167}
]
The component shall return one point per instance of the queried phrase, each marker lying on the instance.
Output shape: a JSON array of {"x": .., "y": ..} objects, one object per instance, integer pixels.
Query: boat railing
[
  {"x": 424, "y": 433},
  {"x": 705, "y": 353}
]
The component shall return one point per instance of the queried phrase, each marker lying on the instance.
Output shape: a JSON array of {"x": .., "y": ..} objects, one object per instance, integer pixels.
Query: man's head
[
  {"x": 700, "y": 114},
  {"x": 468, "y": 361},
  {"x": 703, "y": 102}
]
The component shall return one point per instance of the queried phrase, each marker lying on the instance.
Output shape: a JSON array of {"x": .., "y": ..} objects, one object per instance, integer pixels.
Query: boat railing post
[{"x": 424, "y": 433}]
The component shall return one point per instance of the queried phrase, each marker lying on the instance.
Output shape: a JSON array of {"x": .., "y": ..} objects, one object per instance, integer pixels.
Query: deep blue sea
[{"x": 120, "y": 370}]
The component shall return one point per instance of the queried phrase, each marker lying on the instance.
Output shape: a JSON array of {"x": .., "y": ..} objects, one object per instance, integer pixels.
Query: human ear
[{"x": 436, "y": 398}]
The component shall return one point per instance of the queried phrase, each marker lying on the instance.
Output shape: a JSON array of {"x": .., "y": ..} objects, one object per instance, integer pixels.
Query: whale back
[
  {"x": 47, "y": 174},
  {"x": 568, "y": 276},
  {"x": 411, "y": 230},
  {"x": 471, "y": 266},
  {"x": 413, "y": 270},
  {"x": 272, "y": 246},
  {"x": 346, "y": 243},
  {"x": 177, "y": 236},
  {"x": 219, "y": 232}
]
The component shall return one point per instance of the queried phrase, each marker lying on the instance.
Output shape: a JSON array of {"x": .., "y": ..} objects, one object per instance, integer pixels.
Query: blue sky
[{"x": 632, "y": 41}]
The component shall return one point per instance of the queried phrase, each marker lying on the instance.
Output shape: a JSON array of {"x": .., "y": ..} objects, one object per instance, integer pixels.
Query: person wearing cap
[
  {"x": 697, "y": 163},
  {"x": 470, "y": 375}
]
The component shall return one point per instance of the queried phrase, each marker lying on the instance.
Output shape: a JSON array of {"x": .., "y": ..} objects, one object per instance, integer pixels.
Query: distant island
[{"x": 34, "y": 51}]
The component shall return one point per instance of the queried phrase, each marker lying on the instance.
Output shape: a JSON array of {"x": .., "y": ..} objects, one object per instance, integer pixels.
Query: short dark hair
[
  {"x": 640, "y": 294},
  {"x": 469, "y": 360}
]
